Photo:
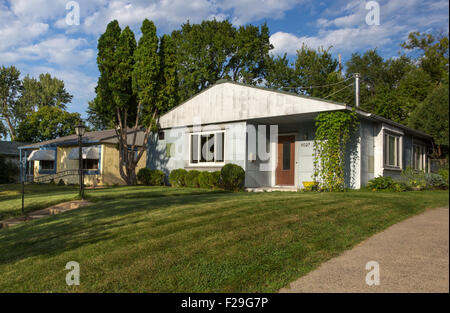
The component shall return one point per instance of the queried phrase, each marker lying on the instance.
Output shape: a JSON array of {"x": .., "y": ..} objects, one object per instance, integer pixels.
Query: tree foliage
[
  {"x": 214, "y": 50},
  {"x": 10, "y": 89},
  {"x": 431, "y": 117},
  {"x": 47, "y": 123}
]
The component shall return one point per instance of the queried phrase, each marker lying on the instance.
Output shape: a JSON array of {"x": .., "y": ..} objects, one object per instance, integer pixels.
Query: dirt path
[
  {"x": 55, "y": 209},
  {"x": 413, "y": 256}
]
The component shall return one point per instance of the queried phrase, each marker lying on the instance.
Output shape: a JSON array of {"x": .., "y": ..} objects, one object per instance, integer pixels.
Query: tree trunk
[{"x": 12, "y": 131}]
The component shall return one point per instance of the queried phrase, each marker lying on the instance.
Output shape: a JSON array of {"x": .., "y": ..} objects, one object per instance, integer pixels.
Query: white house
[{"x": 270, "y": 134}]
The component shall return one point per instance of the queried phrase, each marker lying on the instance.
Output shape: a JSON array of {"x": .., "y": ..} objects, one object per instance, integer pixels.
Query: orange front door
[{"x": 284, "y": 174}]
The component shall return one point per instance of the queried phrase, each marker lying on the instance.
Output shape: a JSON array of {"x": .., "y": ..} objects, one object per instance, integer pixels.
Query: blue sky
[{"x": 35, "y": 37}]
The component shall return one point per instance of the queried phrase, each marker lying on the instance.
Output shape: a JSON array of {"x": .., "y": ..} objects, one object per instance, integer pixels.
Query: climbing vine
[{"x": 333, "y": 133}]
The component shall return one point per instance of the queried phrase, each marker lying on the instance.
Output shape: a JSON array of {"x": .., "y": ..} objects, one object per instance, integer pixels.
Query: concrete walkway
[
  {"x": 55, "y": 209},
  {"x": 413, "y": 256}
]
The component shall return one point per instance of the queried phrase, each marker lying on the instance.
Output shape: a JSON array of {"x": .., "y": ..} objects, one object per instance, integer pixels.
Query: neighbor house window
[
  {"x": 392, "y": 150},
  {"x": 90, "y": 164},
  {"x": 206, "y": 148},
  {"x": 47, "y": 165},
  {"x": 419, "y": 157}
]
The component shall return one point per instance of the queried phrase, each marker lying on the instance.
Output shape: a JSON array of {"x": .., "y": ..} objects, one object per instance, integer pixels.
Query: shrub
[
  {"x": 192, "y": 178},
  {"x": 151, "y": 177},
  {"x": 216, "y": 180},
  {"x": 157, "y": 178},
  {"x": 413, "y": 179},
  {"x": 385, "y": 183},
  {"x": 232, "y": 176},
  {"x": 435, "y": 181},
  {"x": 444, "y": 173},
  {"x": 205, "y": 180},
  {"x": 143, "y": 176},
  {"x": 177, "y": 177}
]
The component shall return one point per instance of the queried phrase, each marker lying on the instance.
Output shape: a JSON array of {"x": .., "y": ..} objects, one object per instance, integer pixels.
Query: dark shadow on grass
[{"x": 70, "y": 230}]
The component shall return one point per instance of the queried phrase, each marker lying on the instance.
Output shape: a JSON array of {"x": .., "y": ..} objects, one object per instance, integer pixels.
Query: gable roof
[
  {"x": 229, "y": 101},
  {"x": 11, "y": 148},
  {"x": 101, "y": 136}
]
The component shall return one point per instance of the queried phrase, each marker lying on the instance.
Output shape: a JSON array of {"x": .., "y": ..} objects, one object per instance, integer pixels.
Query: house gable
[{"x": 229, "y": 101}]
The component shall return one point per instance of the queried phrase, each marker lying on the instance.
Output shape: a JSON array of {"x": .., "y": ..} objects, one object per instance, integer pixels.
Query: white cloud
[
  {"x": 344, "y": 27},
  {"x": 244, "y": 11}
]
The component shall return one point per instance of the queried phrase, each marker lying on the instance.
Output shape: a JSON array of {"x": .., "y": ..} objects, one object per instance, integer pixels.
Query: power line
[
  {"x": 338, "y": 91},
  {"x": 319, "y": 86}
]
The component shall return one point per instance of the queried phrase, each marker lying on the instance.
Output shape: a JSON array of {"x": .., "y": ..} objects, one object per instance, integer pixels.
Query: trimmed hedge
[
  {"x": 151, "y": 177},
  {"x": 232, "y": 177},
  {"x": 177, "y": 178},
  {"x": 205, "y": 180},
  {"x": 192, "y": 179},
  {"x": 216, "y": 180}
]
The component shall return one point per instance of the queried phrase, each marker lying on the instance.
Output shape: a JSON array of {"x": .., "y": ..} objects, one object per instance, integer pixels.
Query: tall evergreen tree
[
  {"x": 168, "y": 93},
  {"x": 101, "y": 109}
]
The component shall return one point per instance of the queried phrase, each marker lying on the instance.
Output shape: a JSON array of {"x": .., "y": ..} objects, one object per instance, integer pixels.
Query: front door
[{"x": 284, "y": 174}]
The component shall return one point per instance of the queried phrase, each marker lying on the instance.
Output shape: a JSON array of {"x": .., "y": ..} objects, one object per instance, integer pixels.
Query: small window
[
  {"x": 47, "y": 165},
  {"x": 90, "y": 164},
  {"x": 207, "y": 148},
  {"x": 419, "y": 157},
  {"x": 161, "y": 135},
  {"x": 392, "y": 150}
]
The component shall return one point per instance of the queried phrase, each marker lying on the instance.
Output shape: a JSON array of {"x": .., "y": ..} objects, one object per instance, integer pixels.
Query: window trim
[
  {"x": 398, "y": 151},
  {"x": 206, "y": 164},
  {"x": 49, "y": 171}
]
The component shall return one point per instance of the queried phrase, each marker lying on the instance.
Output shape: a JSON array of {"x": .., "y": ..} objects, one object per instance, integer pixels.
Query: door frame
[{"x": 275, "y": 154}]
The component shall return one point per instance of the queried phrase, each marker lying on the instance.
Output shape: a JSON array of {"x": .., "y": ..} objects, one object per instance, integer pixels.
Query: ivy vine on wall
[{"x": 333, "y": 133}]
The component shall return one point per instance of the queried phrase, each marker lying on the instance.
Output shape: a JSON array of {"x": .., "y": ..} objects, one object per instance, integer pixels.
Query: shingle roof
[
  {"x": 11, "y": 148},
  {"x": 101, "y": 136}
]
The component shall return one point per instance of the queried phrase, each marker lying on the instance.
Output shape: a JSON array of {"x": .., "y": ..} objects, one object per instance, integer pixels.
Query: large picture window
[
  {"x": 206, "y": 148},
  {"x": 392, "y": 150}
]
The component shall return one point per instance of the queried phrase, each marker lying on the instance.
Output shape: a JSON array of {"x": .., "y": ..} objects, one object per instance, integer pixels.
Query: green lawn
[
  {"x": 40, "y": 196},
  {"x": 156, "y": 239}
]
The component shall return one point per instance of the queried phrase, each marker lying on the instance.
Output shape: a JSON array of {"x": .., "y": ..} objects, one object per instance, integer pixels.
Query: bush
[
  {"x": 192, "y": 178},
  {"x": 9, "y": 171},
  {"x": 232, "y": 176},
  {"x": 413, "y": 179},
  {"x": 444, "y": 173},
  {"x": 435, "y": 181},
  {"x": 151, "y": 177},
  {"x": 177, "y": 178},
  {"x": 385, "y": 183},
  {"x": 216, "y": 180},
  {"x": 205, "y": 180}
]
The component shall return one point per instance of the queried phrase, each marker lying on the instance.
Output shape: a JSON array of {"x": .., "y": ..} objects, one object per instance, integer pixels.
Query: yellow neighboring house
[{"x": 58, "y": 159}]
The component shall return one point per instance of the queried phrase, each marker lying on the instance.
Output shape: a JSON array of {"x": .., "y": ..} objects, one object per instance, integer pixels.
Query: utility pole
[{"x": 356, "y": 75}]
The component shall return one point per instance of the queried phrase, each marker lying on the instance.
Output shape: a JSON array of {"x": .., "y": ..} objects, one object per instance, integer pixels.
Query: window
[
  {"x": 419, "y": 157},
  {"x": 206, "y": 148},
  {"x": 47, "y": 165},
  {"x": 392, "y": 150},
  {"x": 90, "y": 164}
]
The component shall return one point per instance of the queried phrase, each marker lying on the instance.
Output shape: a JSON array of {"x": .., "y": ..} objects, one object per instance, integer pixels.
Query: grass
[
  {"x": 150, "y": 239},
  {"x": 41, "y": 196}
]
